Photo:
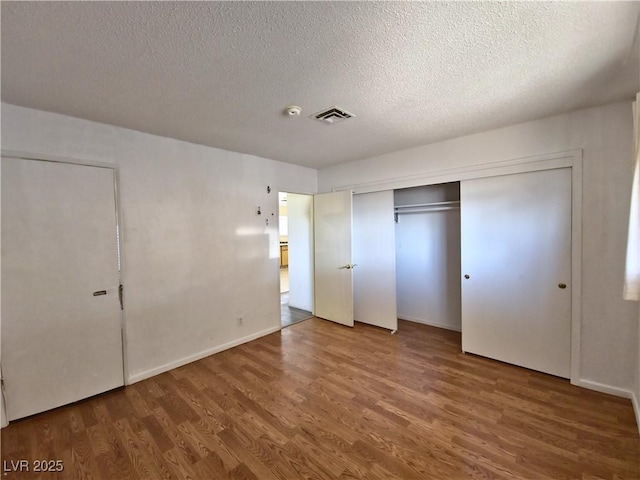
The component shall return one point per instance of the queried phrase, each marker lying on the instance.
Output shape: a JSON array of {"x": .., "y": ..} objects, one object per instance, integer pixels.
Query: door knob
[
  {"x": 467, "y": 277},
  {"x": 562, "y": 285},
  {"x": 348, "y": 266}
]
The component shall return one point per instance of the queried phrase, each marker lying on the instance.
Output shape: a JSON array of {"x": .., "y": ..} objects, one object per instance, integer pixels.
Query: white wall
[
  {"x": 428, "y": 258},
  {"x": 609, "y": 324},
  {"x": 300, "y": 210},
  {"x": 196, "y": 256}
]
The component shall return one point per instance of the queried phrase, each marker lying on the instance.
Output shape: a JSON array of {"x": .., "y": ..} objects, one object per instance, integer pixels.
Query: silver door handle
[{"x": 348, "y": 266}]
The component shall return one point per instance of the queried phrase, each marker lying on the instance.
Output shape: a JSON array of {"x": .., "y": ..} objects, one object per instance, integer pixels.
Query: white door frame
[
  {"x": 119, "y": 242},
  {"x": 571, "y": 159}
]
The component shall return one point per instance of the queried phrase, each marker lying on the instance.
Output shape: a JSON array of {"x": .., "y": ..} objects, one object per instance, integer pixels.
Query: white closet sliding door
[
  {"x": 374, "y": 277},
  {"x": 516, "y": 266}
]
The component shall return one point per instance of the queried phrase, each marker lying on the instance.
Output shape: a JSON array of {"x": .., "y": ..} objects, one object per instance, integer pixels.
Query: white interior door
[
  {"x": 374, "y": 278},
  {"x": 333, "y": 266},
  {"x": 516, "y": 252},
  {"x": 61, "y": 319}
]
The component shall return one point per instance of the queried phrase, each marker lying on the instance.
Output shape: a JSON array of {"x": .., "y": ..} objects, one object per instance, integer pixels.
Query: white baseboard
[
  {"x": 604, "y": 388},
  {"x": 446, "y": 326},
  {"x": 192, "y": 358},
  {"x": 618, "y": 392}
]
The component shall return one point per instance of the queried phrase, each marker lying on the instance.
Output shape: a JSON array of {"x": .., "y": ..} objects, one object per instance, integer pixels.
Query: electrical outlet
[{"x": 239, "y": 320}]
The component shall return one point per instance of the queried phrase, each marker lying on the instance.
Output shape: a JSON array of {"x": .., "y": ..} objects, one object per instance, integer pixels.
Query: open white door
[
  {"x": 333, "y": 266},
  {"x": 61, "y": 332},
  {"x": 516, "y": 265},
  {"x": 374, "y": 252}
]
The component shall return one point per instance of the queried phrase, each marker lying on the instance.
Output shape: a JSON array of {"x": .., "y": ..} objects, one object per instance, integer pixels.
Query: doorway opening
[{"x": 296, "y": 257}]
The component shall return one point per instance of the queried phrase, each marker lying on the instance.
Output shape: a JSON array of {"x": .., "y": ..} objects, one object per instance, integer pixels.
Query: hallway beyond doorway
[
  {"x": 290, "y": 315},
  {"x": 284, "y": 279}
]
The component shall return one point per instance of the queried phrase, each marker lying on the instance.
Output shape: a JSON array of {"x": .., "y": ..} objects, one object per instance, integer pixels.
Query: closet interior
[{"x": 427, "y": 236}]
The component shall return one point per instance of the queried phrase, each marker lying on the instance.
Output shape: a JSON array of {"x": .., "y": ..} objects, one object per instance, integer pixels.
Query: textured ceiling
[{"x": 221, "y": 73}]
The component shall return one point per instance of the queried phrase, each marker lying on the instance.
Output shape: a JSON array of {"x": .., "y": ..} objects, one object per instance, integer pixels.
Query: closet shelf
[
  {"x": 425, "y": 207},
  {"x": 453, "y": 204}
]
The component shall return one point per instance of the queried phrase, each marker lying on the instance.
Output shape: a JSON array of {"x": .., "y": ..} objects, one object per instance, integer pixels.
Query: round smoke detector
[{"x": 293, "y": 110}]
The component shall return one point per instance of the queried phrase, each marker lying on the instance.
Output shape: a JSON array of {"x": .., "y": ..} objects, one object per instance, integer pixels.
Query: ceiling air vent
[{"x": 333, "y": 115}]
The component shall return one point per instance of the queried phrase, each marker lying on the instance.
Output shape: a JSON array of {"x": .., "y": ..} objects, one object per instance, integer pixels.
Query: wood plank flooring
[{"x": 322, "y": 401}]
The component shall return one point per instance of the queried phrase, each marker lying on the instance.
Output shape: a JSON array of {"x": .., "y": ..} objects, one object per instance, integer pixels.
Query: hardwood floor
[{"x": 322, "y": 401}]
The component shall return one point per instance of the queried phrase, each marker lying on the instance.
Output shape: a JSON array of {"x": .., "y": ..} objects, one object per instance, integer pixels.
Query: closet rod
[
  {"x": 453, "y": 204},
  {"x": 423, "y": 210},
  {"x": 432, "y": 209},
  {"x": 426, "y": 209}
]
